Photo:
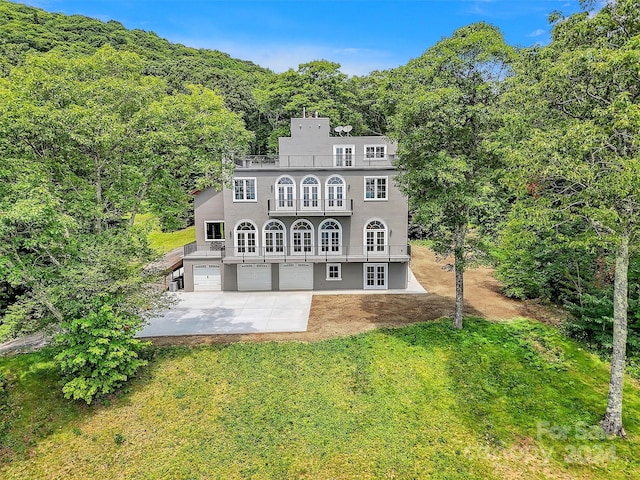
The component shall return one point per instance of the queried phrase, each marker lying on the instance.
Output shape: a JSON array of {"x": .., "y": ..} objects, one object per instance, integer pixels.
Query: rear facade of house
[{"x": 324, "y": 214}]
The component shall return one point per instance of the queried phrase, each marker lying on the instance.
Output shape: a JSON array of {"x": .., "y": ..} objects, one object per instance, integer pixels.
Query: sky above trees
[{"x": 361, "y": 35}]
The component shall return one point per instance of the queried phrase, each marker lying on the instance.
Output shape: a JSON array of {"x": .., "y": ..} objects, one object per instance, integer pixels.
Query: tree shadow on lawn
[{"x": 513, "y": 382}]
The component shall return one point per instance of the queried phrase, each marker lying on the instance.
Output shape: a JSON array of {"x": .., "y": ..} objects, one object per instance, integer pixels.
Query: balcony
[
  {"x": 214, "y": 249},
  {"x": 310, "y": 208},
  {"x": 321, "y": 254},
  {"x": 344, "y": 161}
]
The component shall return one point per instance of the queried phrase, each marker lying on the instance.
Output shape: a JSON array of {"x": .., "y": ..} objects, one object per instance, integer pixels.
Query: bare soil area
[{"x": 339, "y": 315}]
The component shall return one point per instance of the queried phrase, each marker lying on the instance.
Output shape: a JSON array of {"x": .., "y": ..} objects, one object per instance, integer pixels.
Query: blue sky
[{"x": 361, "y": 35}]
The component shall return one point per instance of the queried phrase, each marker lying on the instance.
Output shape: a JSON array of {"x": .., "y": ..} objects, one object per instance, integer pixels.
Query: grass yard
[
  {"x": 163, "y": 242},
  {"x": 497, "y": 400}
]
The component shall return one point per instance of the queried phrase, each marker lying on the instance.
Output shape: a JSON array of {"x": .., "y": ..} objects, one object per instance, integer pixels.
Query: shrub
[{"x": 99, "y": 353}]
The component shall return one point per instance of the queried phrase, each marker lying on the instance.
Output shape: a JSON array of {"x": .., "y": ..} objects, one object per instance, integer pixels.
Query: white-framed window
[
  {"x": 301, "y": 237},
  {"x": 310, "y": 193},
  {"x": 285, "y": 193},
  {"x": 213, "y": 230},
  {"x": 244, "y": 190},
  {"x": 245, "y": 236},
  {"x": 273, "y": 237},
  {"x": 343, "y": 155},
  {"x": 335, "y": 198},
  {"x": 375, "y": 276},
  {"x": 375, "y": 237},
  {"x": 330, "y": 237},
  {"x": 372, "y": 152},
  {"x": 375, "y": 188},
  {"x": 334, "y": 271}
]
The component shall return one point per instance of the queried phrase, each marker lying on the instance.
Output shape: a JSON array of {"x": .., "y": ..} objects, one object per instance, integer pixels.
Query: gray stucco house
[{"x": 324, "y": 214}]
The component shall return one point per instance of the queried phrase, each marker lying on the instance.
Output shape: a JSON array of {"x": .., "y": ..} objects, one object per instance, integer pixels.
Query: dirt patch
[{"x": 339, "y": 315}]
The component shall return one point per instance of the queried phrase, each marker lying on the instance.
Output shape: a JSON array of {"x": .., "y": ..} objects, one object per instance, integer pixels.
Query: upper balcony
[{"x": 338, "y": 161}]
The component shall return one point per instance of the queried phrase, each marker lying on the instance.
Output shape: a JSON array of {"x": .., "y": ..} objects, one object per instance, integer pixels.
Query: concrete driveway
[{"x": 206, "y": 313}]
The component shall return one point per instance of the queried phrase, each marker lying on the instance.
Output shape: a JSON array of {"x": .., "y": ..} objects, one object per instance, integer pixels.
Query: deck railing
[{"x": 314, "y": 161}]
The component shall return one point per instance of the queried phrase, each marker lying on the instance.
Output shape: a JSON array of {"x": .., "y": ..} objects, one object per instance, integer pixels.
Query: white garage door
[
  {"x": 296, "y": 276},
  {"x": 254, "y": 276},
  {"x": 206, "y": 277}
]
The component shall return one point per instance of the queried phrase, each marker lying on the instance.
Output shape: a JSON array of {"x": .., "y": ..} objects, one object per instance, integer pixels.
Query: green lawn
[
  {"x": 512, "y": 399},
  {"x": 163, "y": 242}
]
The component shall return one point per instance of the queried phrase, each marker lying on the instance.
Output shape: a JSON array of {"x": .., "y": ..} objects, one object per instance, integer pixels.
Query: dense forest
[{"x": 524, "y": 158}]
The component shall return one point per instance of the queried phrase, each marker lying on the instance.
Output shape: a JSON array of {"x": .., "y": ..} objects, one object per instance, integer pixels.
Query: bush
[{"x": 99, "y": 353}]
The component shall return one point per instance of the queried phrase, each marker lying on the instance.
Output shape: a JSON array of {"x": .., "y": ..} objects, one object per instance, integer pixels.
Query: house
[{"x": 324, "y": 214}]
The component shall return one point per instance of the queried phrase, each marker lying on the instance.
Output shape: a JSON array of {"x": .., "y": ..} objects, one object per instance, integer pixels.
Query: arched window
[
  {"x": 310, "y": 189},
  {"x": 285, "y": 193},
  {"x": 335, "y": 193},
  {"x": 302, "y": 238},
  {"x": 245, "y": 238},
  {"x": 330, "y": 237},
  {"x": 273, "y": 235},
  {"x": 375, "y": 237}
]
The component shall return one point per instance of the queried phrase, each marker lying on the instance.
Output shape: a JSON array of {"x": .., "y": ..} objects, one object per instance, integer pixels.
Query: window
[
  {"x": 375, "y": 188},
  {"x": 245, "y": 239},
  {"x": 375, "y": 151},
  {"x": 273, "y": 237},
  {"x": 285, "y": 193},
  {"x": 330, "y": 237},
  {"x": 335, "y": 194},
  {"x": 244, "y": 189},
  {"x": 375, "y": 276},
  {"x": 343, "y": 155},
  {"x": 310, "y": 193},
  {"x": 375, "y": 237},
  {"x": 302, "y": 237},
  {"x": 213, "y": 231},
  {"x": 334, "y": 271}
]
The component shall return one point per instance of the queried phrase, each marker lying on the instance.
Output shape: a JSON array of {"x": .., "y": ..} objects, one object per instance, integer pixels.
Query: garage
[
  {"x": 296, "y": 276},
  {"x": 206, "y": 277},
  {"x": 254, "y": 276}
]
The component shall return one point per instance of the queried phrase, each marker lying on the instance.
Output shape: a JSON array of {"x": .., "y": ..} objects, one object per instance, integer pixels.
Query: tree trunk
[
  {"x": 459, "y": 267},
  {"x": 612, "y": 421}
]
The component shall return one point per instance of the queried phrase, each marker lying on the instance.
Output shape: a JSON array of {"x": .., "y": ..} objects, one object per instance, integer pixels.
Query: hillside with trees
[{"x": 528, "y": 158}]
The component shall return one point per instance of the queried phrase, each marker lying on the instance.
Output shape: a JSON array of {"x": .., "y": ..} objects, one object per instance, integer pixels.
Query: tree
[
  {"x": 317, "y": 86},
  {"x": 446, "y": 112},
  {"x": 84, "y": 143},
  {"x": 574, "y": 135}
]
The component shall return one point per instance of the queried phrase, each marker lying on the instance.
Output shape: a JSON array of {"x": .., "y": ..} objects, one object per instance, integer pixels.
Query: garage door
[
  {"x": 254, "y": 276},
  {"x": 296, "y": 276},
  {"x": 206, "y": 277}
]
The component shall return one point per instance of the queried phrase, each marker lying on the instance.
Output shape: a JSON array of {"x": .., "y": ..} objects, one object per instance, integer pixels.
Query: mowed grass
[
  {"x": 495, "y": 400},
  {"x": 163, "y": 242}
]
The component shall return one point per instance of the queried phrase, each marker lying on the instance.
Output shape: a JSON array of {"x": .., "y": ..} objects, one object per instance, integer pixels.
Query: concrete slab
[{"x": 208, "y": 313}]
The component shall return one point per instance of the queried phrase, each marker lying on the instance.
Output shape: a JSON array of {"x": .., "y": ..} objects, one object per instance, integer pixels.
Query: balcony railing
[
  {"x": 215, "y": 249},
  {"x": 319, "y": 253},
  {"x": 314, "y": 161},
  {"x": 310, "y": 207}
]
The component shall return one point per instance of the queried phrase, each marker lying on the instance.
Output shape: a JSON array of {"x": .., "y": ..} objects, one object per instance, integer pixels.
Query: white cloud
[
  {"x": 281, "y": 57},
  {"x": 537, "y": 33}
]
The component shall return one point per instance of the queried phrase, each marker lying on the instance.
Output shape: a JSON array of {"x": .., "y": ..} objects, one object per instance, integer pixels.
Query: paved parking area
[
  {"x": 207, "y": 313},
  {"x": 210, "y": 313}
]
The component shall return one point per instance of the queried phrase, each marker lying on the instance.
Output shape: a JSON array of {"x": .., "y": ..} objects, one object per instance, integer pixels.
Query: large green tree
[
  {"x": 85, "y": 142},
  {"x": 574, "y": 129},
  {"x": 446, "y": 113}
]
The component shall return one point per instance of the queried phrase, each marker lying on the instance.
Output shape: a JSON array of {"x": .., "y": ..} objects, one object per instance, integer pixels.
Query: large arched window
[
  {"x": 245, "y": 236},
  {"x": 334, "y": 197},
  {"x": 301, "y": 238},
  {"x": 285, "y": 193},
  {"x": 375, "y": 237},
  {"x": 273, "y": 237},
  {"x": 310, "y": 193},
  {"x": 330, "y": 237}
]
